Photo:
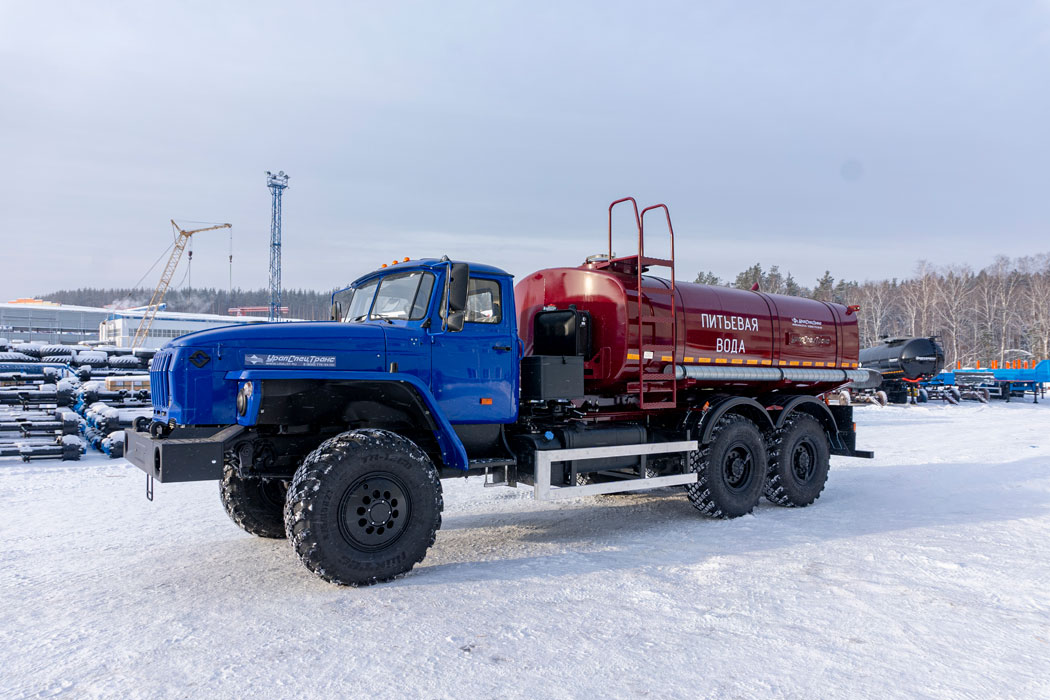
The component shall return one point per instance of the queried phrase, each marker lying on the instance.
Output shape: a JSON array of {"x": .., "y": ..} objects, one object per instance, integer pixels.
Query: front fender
[{"x": 452, "y": 451}]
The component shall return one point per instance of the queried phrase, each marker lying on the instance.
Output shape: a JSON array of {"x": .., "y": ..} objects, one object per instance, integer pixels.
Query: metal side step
[
  {"x": 498, "y": 471},
  {"x": 543, "y": 491}
]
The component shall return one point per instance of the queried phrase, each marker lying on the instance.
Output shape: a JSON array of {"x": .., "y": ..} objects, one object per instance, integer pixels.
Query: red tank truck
[{"x": 615, "y": 358}]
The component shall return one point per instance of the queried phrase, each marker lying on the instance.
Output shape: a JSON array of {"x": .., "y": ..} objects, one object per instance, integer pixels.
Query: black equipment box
[
  {"x": 562, "y": 332},
  {"x": 552, "y": 377}
]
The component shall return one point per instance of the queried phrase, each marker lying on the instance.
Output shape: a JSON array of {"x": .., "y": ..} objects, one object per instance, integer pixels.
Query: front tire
[
  {"x": 363, "y": 507},
  {"x": 255, "y": 505},
  {"x": 799, "y": 460},
  {"x": 732, "y": 469}
]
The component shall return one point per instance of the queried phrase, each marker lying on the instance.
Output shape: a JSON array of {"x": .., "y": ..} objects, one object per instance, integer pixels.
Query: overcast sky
[{"x": 855, "y": 137}]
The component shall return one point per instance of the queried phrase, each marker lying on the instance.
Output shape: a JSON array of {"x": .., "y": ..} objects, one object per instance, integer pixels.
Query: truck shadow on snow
[
  {"x": 642, "y": 530},
  {"x": 661, "y": 528}
]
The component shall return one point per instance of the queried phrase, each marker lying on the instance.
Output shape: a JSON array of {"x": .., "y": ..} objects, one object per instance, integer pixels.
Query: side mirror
[
  {"x": 337, "y": 311},
  {"x": 456, "y": 319},
  {"x": 459, "y": 275}
]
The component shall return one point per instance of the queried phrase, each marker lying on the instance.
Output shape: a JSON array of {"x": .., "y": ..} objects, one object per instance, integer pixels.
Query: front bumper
[{"x": 188, "y": 454}]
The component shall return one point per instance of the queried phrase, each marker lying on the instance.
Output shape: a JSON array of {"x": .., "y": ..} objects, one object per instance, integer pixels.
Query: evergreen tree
[
  {"x": 706, "y": 277},
  {"x": 825, "y": 287}
]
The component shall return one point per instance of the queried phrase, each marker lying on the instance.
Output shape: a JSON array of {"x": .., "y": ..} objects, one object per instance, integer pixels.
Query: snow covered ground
[{"x": 922, "y": 573}]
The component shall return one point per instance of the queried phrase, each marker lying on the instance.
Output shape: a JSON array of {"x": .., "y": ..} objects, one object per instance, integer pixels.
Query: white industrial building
[
  {"x": 119, "y": 327},
  {"x": 49, "y": 322},
  {"x": 62, "y": 324}
]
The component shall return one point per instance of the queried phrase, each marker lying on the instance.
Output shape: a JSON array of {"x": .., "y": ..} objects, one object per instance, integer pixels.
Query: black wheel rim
[
  {"x": 803, "y": 461},
  {"x": 374, "y": 511},
  {"x": 738, "y": 468}
]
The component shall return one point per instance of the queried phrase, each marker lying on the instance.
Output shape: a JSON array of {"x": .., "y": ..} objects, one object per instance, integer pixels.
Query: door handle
[{"x": 505, "y": 348}]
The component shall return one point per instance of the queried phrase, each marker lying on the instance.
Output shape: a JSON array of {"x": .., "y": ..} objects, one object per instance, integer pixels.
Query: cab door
[{"x": 475, "y": 371}]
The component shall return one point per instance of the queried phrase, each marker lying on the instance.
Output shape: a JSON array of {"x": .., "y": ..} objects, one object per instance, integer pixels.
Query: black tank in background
[{"x": 903, "y": 360}]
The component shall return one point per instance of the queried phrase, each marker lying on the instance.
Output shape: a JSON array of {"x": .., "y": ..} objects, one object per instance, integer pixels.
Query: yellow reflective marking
[
  {"x": 807, "y": 364},
  {"x": 632, "y": 356},
  {"x": 820, "y": 364},
  {"x": 767, "y": 362},
  {"x": 752, "y": 362},
  {"x": 720, "y": 360},
  {"x": 703, "y": 359},
  {"x": 737, "y": 361},
  {"x": 794, "y": 363},
  {"x": 688, "y": 359},
  {"x": 783, "y": 362},
  {"x": 665, "y": 358}
]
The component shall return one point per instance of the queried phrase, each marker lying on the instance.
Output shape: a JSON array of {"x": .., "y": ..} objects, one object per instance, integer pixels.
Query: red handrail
[{"x": 637, "y": 221}]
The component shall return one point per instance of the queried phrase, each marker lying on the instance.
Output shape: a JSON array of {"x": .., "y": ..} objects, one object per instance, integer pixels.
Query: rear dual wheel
[
  {"x": 731, "y": 469},
  {"x": 799, "y": 459}
]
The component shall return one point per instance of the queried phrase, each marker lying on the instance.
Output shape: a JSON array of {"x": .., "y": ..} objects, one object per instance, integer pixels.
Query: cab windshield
[{"x": 404, "y": 297}]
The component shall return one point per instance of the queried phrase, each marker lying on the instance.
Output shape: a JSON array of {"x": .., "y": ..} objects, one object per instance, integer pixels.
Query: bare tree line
[{"x": 999, "y": 313}]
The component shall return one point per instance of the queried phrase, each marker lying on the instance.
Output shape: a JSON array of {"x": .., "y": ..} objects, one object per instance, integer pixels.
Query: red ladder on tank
[{"x": 655, "y": 389}]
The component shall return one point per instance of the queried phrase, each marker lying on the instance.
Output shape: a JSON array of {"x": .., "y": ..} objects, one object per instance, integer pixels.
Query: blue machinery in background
[
  {"x": 998, "y": 383},
  {"x": 277, "y": 184}
]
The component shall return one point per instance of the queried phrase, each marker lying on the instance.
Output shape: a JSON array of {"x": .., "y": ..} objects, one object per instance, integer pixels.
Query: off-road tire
[
  {"x": 799, "y": 459},
  {"x": 732, "y": 469},
  {"x": 256, "y": 505},
  {"x": 331, "y": 511}
]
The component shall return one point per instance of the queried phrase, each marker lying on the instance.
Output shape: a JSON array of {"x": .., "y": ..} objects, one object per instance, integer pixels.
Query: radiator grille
[{"x": 158, "y": 380}]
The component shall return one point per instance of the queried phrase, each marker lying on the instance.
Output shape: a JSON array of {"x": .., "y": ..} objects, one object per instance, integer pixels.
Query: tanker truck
[
  {"x": 577, "y": 381},
  {"x": 902, "y": 364}
]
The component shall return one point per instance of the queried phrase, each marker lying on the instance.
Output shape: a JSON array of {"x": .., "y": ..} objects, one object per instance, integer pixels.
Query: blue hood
[{"x": 188, "y": 375}]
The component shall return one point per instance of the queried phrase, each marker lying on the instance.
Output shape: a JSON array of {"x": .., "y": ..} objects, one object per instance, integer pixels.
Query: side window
[{"x": 483, "y": 301}]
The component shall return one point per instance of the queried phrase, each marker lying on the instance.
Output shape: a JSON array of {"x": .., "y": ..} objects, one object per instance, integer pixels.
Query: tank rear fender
[
  {"x": 739, "y": 405},
  {"x": 391, "y": 398},
  {"x": 810, "y": 406}
]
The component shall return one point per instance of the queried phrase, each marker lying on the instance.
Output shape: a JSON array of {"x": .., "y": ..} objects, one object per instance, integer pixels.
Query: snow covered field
[{"x": 922, "y": 573}]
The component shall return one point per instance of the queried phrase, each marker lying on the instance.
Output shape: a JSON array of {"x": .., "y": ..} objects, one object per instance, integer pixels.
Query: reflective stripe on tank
[{"x": 746, "y": 361}]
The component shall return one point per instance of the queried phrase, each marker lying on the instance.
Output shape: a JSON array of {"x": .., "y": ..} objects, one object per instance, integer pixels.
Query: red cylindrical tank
[{"x": 717, "y": 327}]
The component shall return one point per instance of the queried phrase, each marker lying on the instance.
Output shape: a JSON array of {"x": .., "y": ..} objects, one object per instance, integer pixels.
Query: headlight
[{"x": 245, "y": 393}]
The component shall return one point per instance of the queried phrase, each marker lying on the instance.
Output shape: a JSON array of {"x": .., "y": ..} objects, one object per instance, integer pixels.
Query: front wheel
[
  {"x": 363, "y": 507},
  {"x": 255, "y": 505},
  {"x": 731, "y": 468},
  {"x": 799, "y": 460}
]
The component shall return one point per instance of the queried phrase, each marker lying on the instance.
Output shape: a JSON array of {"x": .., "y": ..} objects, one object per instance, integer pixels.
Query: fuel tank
[
  {"x": 904, "y": 358},
  {"x": 719, "y": 332}
]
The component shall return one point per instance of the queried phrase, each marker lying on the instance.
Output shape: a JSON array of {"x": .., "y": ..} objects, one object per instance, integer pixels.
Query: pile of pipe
[
  {"x": 40, "y": 433},
  {"x": 107, "y": 414},
  {"x": 35, "y": 422},
  {"x": 35, "y": 388},
  {"x": 86, "y": 361}
]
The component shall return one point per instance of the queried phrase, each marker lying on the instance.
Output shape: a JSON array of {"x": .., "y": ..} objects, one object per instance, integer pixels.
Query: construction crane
[
  {"x": 277, "y": 182},
  {"x": 181, "y": 239}
]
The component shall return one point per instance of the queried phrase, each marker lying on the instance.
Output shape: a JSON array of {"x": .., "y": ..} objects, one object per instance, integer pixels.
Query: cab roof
[{"x": 431, "y": 264}]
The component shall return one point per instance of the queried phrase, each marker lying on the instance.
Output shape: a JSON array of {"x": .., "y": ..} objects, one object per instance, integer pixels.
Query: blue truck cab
[{"x": 396, "y": 358}]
